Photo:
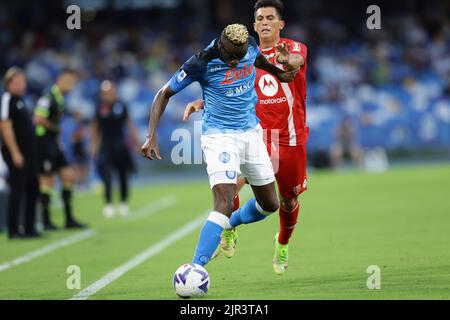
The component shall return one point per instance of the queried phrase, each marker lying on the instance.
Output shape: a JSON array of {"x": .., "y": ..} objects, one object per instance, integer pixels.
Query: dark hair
[
  {"x": 70, "y": 71},
  {"x": 277, "y": 4}
]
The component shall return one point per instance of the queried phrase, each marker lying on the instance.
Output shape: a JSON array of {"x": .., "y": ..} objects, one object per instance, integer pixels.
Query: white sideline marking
[
  {"x": 47, "y": 249},
  {"x": 152, "y": 208},
  {"x": 140, "y": 258},
  {"x": 145, "y": 255}
]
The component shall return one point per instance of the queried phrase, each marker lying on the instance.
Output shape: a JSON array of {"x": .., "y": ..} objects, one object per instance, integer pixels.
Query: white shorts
[{"x": 229, "y": 154}]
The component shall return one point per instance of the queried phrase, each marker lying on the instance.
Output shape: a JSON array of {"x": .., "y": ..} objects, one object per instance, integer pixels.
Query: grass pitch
[{"x": 398, "y": 220}]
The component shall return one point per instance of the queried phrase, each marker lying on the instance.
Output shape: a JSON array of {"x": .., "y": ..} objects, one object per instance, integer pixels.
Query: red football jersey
[{"x": 281, "y": 106}]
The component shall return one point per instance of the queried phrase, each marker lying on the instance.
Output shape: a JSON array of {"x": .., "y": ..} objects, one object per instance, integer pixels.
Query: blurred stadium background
[{"x": 392, "y": 85}]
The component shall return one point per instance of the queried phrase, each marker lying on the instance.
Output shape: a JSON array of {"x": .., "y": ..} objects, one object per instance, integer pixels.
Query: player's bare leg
[
  {"x": 258, "y": 208},
  {"x": 265, "y": 201},
  {"x": 218, "y": 221},
  {"x": 266, "y": 196},
  {"x": 223, "y": 195},
  {"x": 228, "y": 238}
]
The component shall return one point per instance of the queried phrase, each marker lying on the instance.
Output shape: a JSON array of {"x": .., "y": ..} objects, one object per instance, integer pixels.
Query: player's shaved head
[{"x": 233, "y": 44}]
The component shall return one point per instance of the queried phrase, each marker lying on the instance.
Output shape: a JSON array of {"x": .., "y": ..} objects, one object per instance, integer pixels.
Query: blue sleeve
[
  {"x": 252, "y": 42},
  {"x": 191, "y": 71}
]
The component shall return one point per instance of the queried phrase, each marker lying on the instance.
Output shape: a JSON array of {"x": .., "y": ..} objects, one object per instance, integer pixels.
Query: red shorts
[{"x": 289, "y": 165}]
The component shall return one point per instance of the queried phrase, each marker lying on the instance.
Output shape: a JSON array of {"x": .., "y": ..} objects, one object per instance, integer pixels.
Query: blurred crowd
[{"x": 391, "y": 85}]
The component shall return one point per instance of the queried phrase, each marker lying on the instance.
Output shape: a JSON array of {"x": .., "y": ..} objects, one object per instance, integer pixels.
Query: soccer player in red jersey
[{"x": 281, "y": 109}]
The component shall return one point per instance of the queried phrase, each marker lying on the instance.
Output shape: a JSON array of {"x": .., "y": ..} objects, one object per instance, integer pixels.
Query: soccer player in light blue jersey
[{"x": 231, "y": 139}]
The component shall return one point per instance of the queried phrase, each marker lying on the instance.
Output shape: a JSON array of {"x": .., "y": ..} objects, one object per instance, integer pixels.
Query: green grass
[{"x": 398, "y": 220}]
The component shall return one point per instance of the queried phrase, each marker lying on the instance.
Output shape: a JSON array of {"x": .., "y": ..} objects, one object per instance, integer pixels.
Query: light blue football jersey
[{"x": 229, "y": 94}]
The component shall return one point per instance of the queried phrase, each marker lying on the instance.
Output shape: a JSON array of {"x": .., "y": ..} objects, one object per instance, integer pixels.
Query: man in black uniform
[
  {"x": 80, "y": 162},
  {"x": 51, "y": 159},
  {"x": 17, "y": 150},
  {"x": 109, "y": 140}
]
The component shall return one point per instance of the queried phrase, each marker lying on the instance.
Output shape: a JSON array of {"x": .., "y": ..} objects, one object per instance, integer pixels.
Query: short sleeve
[
  {"x": 5, "y": 106},
  {"x": 299, "y": 48},
  {"x": 43, "y": 107},
  {"x": 191, "y": 71}
]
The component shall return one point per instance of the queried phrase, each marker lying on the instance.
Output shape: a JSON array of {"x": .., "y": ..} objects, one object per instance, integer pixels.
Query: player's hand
[
  {"x": 149, "y": 146},
  {"x": 194, "y": 106},
  {"x": 282, "y": 53},
  {"x": 288, "y": 75},
  {"x": 18, "y": 160}
]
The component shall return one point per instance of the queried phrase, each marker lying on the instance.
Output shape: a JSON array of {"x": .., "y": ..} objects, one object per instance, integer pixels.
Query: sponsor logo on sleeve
[{"x": 181, "y": 76}]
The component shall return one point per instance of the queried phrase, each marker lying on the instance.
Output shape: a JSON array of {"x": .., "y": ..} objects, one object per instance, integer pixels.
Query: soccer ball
[{"x": 191, "y": 281}]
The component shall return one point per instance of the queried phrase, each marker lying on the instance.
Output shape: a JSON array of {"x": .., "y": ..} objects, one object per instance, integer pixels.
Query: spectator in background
[
  {"x": 18, "y": 152},
  {"x": 346, "y": 144},
  {"x": 47, "y": 115},
  {"x": 109, "y": 144},
  {"x": 80, "y": 157}
]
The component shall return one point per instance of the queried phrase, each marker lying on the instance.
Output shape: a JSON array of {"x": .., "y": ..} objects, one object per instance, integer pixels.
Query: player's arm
[
  {"x": 159, "y": 105},
  {"x": 191, "y": 71},
  {"x": 43, "y": 121},
  {"x": 10, "y": 141},
  {"x": 193, "y": 106},
  {"x": 283, "y": 75},
  {"x": 9, "y": 138},
  {"x": 132, "y": 131}
]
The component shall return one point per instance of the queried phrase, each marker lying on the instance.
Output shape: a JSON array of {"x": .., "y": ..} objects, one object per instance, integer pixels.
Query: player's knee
[
  {"x": 289, "y": 204},
  {"x": 270, "y": 206}
]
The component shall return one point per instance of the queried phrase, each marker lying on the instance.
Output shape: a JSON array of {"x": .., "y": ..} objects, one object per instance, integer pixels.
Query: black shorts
[
  {"x": 79, "y": 154},
  {"x": 50, "y": 156},
  {"x": 116, "y": 156}
]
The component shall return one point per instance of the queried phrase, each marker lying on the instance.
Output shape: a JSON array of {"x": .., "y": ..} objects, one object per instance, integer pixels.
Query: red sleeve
[{"x": 297, "y": 48}]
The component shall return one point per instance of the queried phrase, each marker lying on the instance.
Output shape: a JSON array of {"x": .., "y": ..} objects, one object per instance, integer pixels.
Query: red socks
[
  {"x": 236, "y": 202},
  {"x": 288, "y": 220}
]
